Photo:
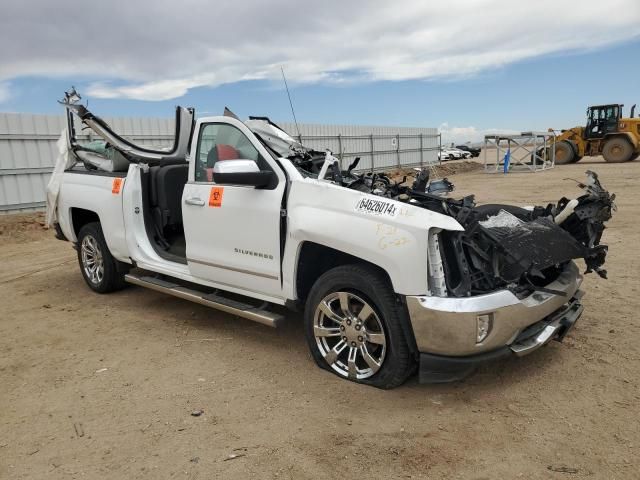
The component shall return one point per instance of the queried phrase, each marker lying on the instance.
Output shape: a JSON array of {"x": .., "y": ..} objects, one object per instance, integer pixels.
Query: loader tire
[
  {"x": 565, "y": 153},
  {"x": 617, "y": 150}
]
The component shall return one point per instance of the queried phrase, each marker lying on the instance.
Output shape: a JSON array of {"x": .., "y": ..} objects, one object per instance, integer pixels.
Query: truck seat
[{"x": 167, "y": 184}]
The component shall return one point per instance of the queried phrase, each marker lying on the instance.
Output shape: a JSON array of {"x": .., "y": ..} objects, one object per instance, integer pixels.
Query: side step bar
[{"x": 213, "y": 300}]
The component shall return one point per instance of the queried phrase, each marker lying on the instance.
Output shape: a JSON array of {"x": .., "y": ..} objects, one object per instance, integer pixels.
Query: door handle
[{"x": 198, "y": 202}]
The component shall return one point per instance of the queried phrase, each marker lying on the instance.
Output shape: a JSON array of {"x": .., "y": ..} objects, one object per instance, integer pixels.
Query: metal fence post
[
  {"x": 421, "y": 152},
  {"x": 372, "y": 155},
  {"x": 440, "y": 148},
  {"x": 398, "y": 148}
]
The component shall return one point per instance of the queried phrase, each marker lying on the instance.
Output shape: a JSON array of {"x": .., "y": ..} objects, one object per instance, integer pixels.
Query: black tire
[
  {"x": 370, "y": 285},
  {"x": 634, "y": 156},
  {"x": 112, "y": 278},
  {"x": 617, "y": 150},
  {"x": 565, "y": 153}
]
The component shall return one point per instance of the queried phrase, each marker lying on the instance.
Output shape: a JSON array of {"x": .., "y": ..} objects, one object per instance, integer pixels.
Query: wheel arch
[
  {"x": 314, "y": 259},
  {"x": 79, "y": 217}
]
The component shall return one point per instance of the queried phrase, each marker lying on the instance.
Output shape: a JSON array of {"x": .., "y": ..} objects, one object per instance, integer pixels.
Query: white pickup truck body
[
  {"x": 279, "y": 240},
  {"x": 249, "y": 221}
]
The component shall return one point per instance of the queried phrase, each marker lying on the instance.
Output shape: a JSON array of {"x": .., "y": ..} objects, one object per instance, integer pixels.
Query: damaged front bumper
[{"x": 446, "y": 328}]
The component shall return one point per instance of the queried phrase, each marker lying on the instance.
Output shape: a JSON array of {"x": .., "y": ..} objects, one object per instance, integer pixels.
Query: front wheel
[
  {"x": 99, "y": 268},
  {"x": 353, "y": 327}
]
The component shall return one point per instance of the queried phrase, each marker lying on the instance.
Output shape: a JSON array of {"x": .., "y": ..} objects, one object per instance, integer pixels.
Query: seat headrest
[{"x": 226, "y": 152}]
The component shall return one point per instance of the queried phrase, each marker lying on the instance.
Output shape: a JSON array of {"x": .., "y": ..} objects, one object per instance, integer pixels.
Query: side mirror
[{"x": 241, "y": 172}]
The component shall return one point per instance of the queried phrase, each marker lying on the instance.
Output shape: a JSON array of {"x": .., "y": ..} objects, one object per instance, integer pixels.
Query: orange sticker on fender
[
  {"x": 117, "y": 186},
  {"x": 215, "y": 196}
]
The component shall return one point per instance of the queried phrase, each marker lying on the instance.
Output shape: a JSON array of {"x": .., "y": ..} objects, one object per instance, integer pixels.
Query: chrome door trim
[{"x": 239, "y": 270}]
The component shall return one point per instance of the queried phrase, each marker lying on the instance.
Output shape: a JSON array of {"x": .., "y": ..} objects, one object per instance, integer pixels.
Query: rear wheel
[
  {"x": 99, "y": 268},
  {"x": 565, "y": 153},
  {"x": 353, "y": 327},
  {"x": 617, "y": 150}
]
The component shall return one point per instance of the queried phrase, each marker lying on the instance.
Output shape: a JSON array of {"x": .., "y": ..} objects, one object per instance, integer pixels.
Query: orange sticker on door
[
  {"x": 116, "y": 186},
  {"x": 215, "y": 196}
]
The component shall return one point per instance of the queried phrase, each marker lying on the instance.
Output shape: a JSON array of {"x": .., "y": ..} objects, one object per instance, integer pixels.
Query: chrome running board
[{"x": 213, "y": 300}]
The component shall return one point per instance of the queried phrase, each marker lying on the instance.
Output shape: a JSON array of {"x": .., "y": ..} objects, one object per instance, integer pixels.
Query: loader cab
[{"x": 602, "y": 119}]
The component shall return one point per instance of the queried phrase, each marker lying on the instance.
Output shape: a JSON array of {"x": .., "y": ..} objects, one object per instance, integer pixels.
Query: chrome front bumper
[{"x": 447, "y": 326}]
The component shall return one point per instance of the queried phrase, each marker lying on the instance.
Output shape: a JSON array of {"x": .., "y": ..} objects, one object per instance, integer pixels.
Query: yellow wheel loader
[{"x": 617, "y": 139}]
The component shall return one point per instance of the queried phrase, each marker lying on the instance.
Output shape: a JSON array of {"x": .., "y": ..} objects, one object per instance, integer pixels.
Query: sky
[{"x": 469, "y": 67}]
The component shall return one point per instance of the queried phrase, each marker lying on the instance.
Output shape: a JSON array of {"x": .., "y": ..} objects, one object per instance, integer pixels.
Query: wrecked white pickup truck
[{"x": 241, "y": 217}]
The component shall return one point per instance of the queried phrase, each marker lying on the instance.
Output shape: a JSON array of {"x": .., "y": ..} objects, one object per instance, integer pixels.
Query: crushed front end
[{"x": 508, "y": 282}]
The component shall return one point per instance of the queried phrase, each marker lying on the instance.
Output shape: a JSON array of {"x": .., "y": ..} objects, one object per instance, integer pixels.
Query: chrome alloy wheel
[
  {"x": 92, "y": 261},
  {"x": 349, "y": 335}
]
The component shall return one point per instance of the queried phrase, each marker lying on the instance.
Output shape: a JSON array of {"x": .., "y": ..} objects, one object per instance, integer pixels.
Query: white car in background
[
  {"x": 449, "y": 154},
  {"x": 462, "y": 153},
  {"x": 443, "y": 155}
]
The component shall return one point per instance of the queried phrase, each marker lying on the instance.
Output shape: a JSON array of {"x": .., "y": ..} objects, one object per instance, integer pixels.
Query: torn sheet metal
[
  {"x": 185, "y": 119},
  {"x": 64, "y": 161},
  {"x": 279, "y": 140}
]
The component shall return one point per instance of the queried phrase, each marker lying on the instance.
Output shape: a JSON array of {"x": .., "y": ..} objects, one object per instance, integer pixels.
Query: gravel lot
[{"x": 104, "y": 386}]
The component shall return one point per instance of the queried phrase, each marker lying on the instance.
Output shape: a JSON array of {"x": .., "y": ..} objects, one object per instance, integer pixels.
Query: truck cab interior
[{"x": 163, "y": 187}]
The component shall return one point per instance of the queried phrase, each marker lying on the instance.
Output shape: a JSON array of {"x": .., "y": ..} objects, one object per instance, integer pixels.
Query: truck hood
[{"x": 275, "y": 137}]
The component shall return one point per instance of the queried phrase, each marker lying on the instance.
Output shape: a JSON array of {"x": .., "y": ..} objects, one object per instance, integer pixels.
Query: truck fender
[{"x": 394, "y": 239}]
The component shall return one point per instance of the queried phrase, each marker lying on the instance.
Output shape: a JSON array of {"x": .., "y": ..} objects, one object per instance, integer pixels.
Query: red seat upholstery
[{"x": 226, "y": 152}]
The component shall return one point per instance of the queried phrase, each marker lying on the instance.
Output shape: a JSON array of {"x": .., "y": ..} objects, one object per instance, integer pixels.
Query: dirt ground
[{"x": 104, "y": 386}]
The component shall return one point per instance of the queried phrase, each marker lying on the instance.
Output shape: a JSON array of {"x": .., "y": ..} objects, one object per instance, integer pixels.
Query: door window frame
[{"x": 257, "y": 145}]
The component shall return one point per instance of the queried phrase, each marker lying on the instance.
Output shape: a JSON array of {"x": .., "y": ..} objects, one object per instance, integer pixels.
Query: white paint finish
[
  {"x": 221, "y": 241},
  {"x": 235, "y": 166},
  {"x": 146, "y": 257},
  {"x": 94, "y": 193},
  {"x": 326, "y": 214}
]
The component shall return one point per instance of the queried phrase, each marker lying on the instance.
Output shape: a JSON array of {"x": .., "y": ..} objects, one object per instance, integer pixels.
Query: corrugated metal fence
[
  {"x": 28, "y": 149},
  {"x": 379, "y": 148}
]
